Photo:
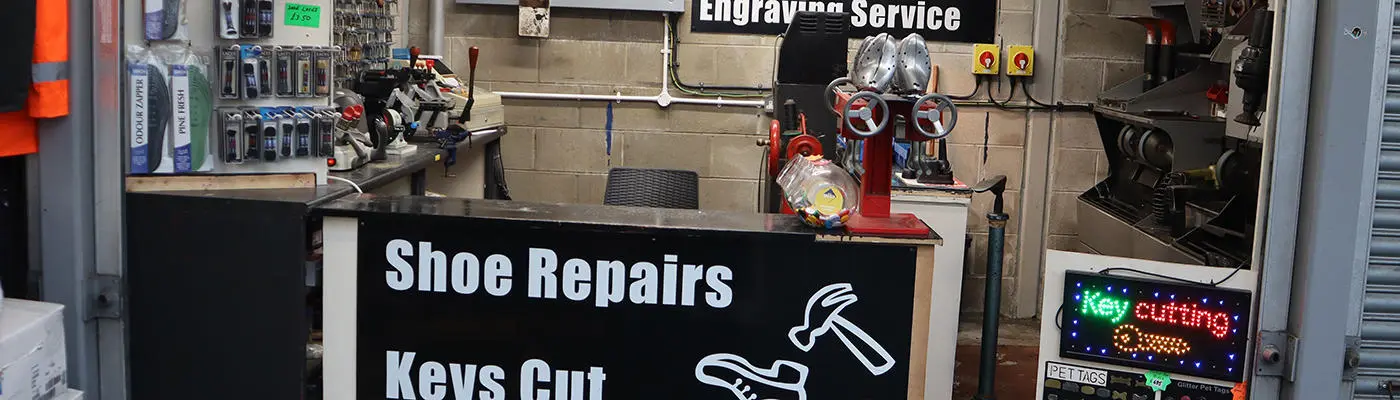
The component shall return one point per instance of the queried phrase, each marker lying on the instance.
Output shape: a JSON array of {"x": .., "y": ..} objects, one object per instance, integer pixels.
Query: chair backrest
[{"x": 647, "y": 187}]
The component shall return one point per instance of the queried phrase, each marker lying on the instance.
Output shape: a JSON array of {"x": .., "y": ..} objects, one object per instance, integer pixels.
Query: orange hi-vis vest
[{"x": 48, "y": 95}]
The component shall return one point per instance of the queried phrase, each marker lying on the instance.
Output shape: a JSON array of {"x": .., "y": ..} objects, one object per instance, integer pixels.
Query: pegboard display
[
  {"x": 364, "y": 30},
  {"x": 1155, "y": 324},
  {"x": 238, "y": 43}
]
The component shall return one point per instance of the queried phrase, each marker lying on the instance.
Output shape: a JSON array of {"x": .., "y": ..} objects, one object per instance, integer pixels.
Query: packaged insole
[
  {"x": 190, "y": 105},
  {"x": 180, "y": 123},
  {"x": 201, "y": 110},
  {"x": 164, "y": 19},
  {"x": 150, "y": 110}
]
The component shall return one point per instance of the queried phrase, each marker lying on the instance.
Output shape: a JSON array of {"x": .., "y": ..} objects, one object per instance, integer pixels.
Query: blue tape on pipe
[{"x": 607, "y": 136}]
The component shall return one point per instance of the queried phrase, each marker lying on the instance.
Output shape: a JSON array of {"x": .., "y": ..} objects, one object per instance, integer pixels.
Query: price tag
[
  {"x": 302, "y": 15},
  {"x": 1158, "y": 381}
]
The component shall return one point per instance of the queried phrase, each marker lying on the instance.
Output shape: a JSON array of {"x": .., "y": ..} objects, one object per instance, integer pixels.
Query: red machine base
[{"x": 895, "y": 225}]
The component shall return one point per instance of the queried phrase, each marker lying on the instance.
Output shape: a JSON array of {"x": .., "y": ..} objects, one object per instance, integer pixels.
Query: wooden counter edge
[
  {"x": 923, "y": 304},
  {"x": 156, "y": 183}
]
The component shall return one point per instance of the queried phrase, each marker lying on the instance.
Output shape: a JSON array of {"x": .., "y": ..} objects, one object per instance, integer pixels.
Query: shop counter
[{"x": 446, "y": 298}]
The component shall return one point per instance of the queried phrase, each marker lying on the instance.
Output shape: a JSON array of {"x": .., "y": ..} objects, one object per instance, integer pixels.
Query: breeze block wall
[
  {"x": 557, "y": 150},
  {"x": 1098, "y": 52}
]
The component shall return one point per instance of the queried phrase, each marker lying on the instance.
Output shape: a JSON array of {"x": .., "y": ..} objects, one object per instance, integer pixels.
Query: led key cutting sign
[{"x": 1158, "y": 325}]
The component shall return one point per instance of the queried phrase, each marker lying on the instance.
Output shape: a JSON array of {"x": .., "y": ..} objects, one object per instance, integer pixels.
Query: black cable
[
  {"x": 675, "y": 51},
  {"x": 1107, "y": 271},
  {"x": 1058, "y": 106},
  {"x": 976, "y": 86},
  {"x": 1002, "y": 104},
  {"x": 1229, "y": 276},
  {"x": 1057, "y": 316},
  {"x": 500, "y": 173}
]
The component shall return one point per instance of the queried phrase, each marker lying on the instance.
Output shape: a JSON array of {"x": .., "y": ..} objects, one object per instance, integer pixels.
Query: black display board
[
  {"x": 1075, "y": 382},
  {"x": 530, "y": 310},
  {"x": 966, "y": 21},
  {"x": 1156, "y": 325}
]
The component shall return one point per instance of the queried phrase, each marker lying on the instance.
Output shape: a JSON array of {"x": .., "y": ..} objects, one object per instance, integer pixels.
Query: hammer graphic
[{"x": 824, "y": 314}]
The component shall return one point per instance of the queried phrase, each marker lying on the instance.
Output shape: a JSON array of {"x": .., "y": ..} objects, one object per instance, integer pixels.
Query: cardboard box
[{"x": 33, "y": 361}]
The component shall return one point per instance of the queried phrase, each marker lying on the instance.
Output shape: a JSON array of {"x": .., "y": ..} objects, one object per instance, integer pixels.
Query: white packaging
[
  {"x": 138, "y": 92},
  {"x": 33, "y": 360},
  {"x": 180, "y": 102},
  {"x": 71, "y": 394}
]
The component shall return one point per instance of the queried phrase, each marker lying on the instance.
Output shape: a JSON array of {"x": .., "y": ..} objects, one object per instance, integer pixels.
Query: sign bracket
[{"x": 1274, "y": 355}]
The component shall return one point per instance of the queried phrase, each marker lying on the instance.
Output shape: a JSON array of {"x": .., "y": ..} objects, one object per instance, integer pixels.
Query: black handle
[
  {"x": 473, "y": 53},
  {"x": 790, "y": 115},
  {"x": 996, "y": 185}
]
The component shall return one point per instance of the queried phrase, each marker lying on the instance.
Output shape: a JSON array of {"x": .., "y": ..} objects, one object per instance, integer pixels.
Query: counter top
[{"x": 597, "y": 215}]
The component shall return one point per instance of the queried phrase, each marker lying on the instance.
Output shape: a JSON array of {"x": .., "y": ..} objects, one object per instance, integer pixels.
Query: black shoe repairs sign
[{"x": 452, "y": 308}]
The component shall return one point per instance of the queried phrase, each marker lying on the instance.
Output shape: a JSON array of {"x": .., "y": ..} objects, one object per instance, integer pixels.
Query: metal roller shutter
[{"x": 1380, "y": 318}]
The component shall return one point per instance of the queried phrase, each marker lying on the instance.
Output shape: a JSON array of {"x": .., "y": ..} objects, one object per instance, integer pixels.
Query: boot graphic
[{"x": 785, "y": 380}]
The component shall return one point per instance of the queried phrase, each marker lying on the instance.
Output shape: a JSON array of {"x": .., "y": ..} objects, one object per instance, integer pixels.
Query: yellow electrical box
[
  {"x": 984, "y": 59},
  {"x": 1020, "y": 60}
]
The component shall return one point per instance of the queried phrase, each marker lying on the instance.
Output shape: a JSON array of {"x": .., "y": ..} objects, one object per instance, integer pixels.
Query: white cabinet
[{"x": 946, "y": 213}]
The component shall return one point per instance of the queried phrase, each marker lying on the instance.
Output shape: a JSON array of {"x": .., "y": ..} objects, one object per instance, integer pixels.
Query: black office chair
[{"x": 648, "y": 187}]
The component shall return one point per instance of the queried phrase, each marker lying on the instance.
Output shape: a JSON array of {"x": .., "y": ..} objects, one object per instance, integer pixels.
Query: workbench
[{"x": 520, "y": 300}]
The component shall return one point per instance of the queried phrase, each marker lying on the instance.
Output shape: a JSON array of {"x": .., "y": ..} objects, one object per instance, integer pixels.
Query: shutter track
[{"x": 1380, "y": 318}]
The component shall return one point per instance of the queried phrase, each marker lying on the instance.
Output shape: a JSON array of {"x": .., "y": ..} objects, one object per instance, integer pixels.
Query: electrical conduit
[{"x": 663, "y": 99}]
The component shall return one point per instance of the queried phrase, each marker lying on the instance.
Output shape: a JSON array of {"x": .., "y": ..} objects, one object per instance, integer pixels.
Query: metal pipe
[
  {"x": 663, "y": 99},
  {"x": 436, "y": 24},
  {"x": 991, "y": 310},
  {"x": 572, "y": 96}
]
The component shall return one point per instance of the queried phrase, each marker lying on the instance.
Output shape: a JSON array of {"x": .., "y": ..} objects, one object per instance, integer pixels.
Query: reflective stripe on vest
[
  {"x": 50, "y": 71},
  {"x": 48, "y": 97}
]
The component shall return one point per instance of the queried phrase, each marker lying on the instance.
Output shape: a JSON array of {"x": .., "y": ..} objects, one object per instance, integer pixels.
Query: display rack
[
  {"x": 202, "y": 37},
  {"x": 364, "y": 30}
]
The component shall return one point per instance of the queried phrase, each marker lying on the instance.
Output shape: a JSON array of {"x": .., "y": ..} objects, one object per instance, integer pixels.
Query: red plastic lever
[{"x": 474, "y": 52}]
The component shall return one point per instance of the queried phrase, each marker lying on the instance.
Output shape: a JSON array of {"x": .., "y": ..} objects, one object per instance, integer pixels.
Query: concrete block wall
[
  {"x": 558, "y": 150},
  {"x": 1098, "y": 52}
]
